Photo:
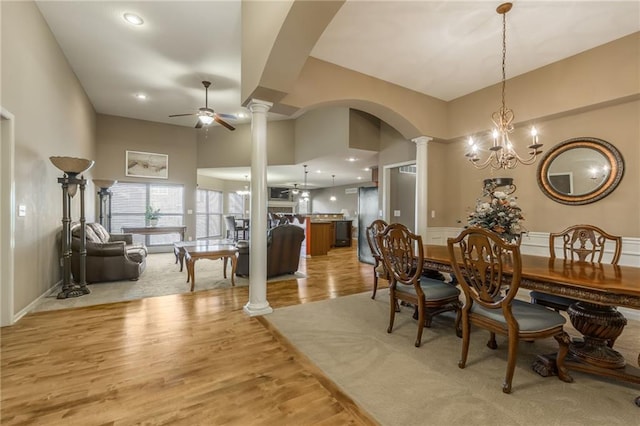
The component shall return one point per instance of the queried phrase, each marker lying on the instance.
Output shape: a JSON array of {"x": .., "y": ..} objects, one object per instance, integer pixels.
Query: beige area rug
[
  {"x": 161, "y": 277},
  {"x": 399, "y": 384}
]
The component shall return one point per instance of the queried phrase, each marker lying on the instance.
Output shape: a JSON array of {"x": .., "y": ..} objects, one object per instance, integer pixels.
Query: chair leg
[
  {"x": 375, "y": 284},
  {"x": 458, "y": 324},
  {"x": 491, "y": 344},
  {"x": 466, "y": 332},
  {"x": 421, "y": 322},
  {"x": 392, "y": 310},
  {"x": 563, "y": 341},
  {"x": 511, "y": 363}
]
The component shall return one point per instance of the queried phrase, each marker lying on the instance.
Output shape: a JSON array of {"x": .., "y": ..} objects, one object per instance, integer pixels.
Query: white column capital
[
  {"x": 421, "y": 140},
  {"x": 256, "y": 105}
]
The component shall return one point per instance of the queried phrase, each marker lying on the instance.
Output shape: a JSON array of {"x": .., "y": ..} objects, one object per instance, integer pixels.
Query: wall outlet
[
  {"x": 22, "y": 210},
  {"x": 396, "y": 213},
  {"x": 189, "y": 211},
  {"x": 433, "y": 214}
]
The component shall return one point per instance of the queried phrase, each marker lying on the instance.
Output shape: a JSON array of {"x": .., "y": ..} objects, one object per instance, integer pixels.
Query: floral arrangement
[{"x": 499, "y": 214}]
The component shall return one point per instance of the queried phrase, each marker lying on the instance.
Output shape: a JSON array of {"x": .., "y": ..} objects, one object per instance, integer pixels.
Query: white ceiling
[{"x": 445, "y": 49}]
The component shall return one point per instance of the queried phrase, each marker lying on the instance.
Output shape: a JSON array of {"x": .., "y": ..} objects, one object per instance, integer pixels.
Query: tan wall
[
  {"x": 618, "y": 213},
  {"x": 321, "y": 132},
  {"x": 218, "y": 147},
  {"x": 38, "y": 82},
  {"x": 116, "y": 135},
  {"x": 364, "y": 131},
  {"x": 590, "y": 79}
]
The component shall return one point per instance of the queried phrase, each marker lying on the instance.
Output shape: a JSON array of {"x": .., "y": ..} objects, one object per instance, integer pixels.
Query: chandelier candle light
[{"x": 502, "y": 153}]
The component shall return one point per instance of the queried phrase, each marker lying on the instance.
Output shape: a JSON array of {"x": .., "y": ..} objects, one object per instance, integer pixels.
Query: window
[
  {"x": 236, "y": 204},
  {"x": 129, "y": 204},
  {"x": 208, "y": 213}
]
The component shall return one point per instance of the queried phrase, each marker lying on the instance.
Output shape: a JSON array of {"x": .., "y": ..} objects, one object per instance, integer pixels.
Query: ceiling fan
[
  {"x": 293, "y": 190},
  {"x": 207, "y": 115}
]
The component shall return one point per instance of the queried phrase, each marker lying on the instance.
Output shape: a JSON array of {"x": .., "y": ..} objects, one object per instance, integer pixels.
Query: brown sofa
[
  {"x": 284, "y": 243},
  {"x": 110, "y": 257}
]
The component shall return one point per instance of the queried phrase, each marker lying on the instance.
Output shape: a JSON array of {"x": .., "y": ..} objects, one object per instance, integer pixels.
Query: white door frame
[
  {"x": 386, "y": 188},
  {"x": 7, "y": 216}
]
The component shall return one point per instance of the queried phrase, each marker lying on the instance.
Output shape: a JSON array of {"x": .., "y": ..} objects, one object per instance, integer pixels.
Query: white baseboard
[{"x": 24, "y": 311}]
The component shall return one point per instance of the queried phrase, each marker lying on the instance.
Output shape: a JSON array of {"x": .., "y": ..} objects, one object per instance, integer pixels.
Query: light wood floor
[{"x": 192, "y": 359}]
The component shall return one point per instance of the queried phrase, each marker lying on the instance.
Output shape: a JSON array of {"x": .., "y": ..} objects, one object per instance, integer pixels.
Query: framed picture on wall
[{"x": 147, "y": 165}]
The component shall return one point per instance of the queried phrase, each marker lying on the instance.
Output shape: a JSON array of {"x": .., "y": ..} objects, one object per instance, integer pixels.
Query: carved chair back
[
  {"x": 403, "y": 255},
  {"x": 585, "y": 243},
  {"x": 372, "y": 231},
  {"x": 480, "y": 259}
]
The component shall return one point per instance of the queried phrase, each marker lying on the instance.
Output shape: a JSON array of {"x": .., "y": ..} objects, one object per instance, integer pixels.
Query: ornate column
[
  {"x": 258, "y": 304},
  {"x": 422, "y": 212}
]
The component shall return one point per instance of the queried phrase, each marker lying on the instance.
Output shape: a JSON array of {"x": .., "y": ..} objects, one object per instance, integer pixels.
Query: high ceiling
[{"x": 445, "y": 49}]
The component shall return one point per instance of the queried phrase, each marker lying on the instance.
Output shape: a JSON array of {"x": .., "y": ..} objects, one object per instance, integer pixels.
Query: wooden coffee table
[
  {"x": 210, "y": 251},
  {"x": 178, "y": 247}
]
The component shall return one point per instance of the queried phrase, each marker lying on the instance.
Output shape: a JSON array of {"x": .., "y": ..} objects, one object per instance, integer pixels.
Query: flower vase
[{"x": 153, "y": 222}]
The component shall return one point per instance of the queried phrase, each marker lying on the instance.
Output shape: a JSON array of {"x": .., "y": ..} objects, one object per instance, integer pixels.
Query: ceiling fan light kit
[{"x": 207, "y": 115}]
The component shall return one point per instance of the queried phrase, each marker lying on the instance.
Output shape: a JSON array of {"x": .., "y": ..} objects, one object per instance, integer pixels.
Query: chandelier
[
  {"x": 502, "y": 153},
  {"x": 305, "y": 192}
]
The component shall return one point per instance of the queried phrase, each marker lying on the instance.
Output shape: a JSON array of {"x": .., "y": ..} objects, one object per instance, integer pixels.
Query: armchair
[
  {"x": 110, "y": 257},
  {"x": 284, "y": 243}
]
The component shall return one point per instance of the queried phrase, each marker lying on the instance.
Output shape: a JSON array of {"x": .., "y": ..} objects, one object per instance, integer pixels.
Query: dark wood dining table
[{"x": 598, "y": 287}]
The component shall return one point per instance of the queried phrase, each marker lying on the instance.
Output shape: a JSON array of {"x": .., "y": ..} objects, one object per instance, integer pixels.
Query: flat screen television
[{"x": 281, "y": 194}]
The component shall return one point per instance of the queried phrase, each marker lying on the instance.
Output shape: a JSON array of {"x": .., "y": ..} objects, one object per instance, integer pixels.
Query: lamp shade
[
  {"x": 104, "y": 183},
  {"x": 72, "y": 165}
]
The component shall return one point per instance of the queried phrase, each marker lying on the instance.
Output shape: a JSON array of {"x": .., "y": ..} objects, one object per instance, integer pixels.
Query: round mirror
[{"x": 580, "y": 171}]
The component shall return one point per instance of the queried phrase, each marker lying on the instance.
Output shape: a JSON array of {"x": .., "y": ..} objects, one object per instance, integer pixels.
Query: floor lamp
[
  {"x": 105, "y": 201},
  {"x": 70, "y": 182}
]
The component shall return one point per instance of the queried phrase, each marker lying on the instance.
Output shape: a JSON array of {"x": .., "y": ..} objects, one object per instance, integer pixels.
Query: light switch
[
  {"x": 396, "y": 213},
  {"x": 22, "y": 210},
  {"x": 433, "y": 214}
]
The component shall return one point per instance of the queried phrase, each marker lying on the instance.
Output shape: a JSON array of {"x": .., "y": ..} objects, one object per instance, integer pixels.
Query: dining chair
[
  {"x": 403, "y": 257},
  {"x": 489, "y": 271},
  {"x": 233, "y": 228},
  {"x": 379, "y": 271},
  {"x": 580, "y": 243}
]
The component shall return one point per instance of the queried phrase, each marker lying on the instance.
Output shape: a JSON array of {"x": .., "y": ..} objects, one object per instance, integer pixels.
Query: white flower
[{"x": 500, "y": 195}]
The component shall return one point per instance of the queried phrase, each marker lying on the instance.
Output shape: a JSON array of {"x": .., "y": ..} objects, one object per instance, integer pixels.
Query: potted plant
[{"x": 152, "y": 215}]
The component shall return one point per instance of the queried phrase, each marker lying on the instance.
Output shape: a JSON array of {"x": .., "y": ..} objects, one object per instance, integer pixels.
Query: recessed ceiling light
[
  {"x": 367, "y": 169},
  {"x": 359, "y": 177},
  {"x": 242, "y": 115},
  {"x": 133, "y": 19},
  {"x": 141, "y": 96},
  {"x": 318, "y": 171},
  {"x": 352, "y": 159}
]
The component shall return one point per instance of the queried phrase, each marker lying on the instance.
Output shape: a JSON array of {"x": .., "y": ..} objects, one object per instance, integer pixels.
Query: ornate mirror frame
[{"x": 607, "y": 150}]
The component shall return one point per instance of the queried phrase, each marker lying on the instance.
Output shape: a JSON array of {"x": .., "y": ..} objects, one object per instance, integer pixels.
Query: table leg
[
  {"x": 191, "y": 270},
  {"x": 181, "y": 258},
  {"x": 234, "y": 262},
  {"x": 224, "y": 267},
  {"x": 598, "y": 324}
]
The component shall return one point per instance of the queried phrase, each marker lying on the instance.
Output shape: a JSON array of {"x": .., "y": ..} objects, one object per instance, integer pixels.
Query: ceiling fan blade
[
  {"x": 229, "y": 116},
  {"x": 181, "y": 115},
  {"x": 223, "y": 123},
  {"x": 198, "y": 124}
]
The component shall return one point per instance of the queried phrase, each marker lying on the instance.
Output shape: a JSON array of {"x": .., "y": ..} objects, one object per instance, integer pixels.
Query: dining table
[{"x": 598, "y": 289}]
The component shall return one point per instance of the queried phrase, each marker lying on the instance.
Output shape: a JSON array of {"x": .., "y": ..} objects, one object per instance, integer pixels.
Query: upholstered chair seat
[
  {"x": 434, "y": 290},
  {"x": 529, "y": 317}
]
